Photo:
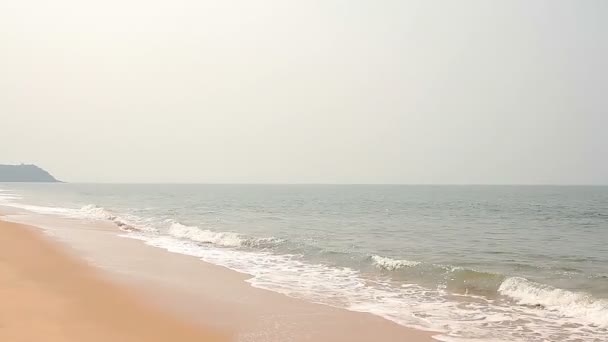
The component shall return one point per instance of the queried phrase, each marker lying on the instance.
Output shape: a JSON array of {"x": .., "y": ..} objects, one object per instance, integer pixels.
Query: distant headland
[{"x": 25, "y": 173}]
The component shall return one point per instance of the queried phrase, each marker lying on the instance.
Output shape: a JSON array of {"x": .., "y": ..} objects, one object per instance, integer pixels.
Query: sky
[{"x": 316, "y": 91}]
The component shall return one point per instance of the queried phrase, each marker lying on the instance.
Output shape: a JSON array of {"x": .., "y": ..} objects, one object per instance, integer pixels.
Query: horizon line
[{"x": 337, "y": 184}]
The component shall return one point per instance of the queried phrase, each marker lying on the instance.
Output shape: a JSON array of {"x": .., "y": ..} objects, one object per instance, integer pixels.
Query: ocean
[{"x": 474, "y": 263}]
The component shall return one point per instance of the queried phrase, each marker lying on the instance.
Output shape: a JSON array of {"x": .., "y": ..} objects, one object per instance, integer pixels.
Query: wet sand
[
  {"x": 209, "y": 296},
  {"x": 46, "y": 295}
]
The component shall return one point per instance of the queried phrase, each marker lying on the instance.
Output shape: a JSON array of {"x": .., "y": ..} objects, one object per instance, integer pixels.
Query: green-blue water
[{"x": 504, "y": 263}]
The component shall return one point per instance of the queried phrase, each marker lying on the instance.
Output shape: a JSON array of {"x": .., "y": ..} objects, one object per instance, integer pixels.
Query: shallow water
[{"x": 501, "y": 263}]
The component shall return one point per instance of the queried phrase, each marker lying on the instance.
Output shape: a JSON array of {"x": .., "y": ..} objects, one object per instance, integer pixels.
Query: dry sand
[{"x": 46, "y": 295}]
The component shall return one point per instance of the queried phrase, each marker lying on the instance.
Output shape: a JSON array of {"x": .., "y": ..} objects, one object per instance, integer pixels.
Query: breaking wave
[
  {"x": 95, "y": 212},
  {"x": 425, "y": 300},
  {"x": 472, "y": 319},
  {"x": 390, "y": 264},
  {"x": 472, "y": 282},
  {"x": 226, "y": 239},
  {"x": 567, "y": 303},
  {"x": 454, "y": 279}
]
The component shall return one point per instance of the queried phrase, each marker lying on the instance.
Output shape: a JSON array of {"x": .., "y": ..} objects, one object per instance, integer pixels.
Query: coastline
[
  {"x": 47, "y": 295},
  {"x": 195, "y": 296}
]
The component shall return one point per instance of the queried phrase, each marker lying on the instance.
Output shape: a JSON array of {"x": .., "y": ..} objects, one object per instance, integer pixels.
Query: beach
[
  {"x": 338, "y": 263},
  {"x": 47, "y": 295},
  {"x": 69, "y": 288}
]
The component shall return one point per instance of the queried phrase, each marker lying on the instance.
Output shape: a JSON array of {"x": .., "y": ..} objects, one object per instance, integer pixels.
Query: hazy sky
[{"x": 301, "y": 91}]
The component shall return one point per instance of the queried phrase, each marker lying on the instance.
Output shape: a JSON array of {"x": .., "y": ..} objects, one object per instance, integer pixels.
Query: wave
[
  {"x": 7, "y": 196},
  {"x": 413, "y": 305},
  {"x": 226, "y": 239},
  {"x": 472, "y": 282},
  {"x": 132, "y": 223},
  {"x": 87, "y": 212},
  {"x": 95, "y": 212},
  {"x": 390, "y": 264},
  {"x": 455, "y": 279},
  {"x": 178, "y": 230},
  {"x": 567, "y": 303},
  {"x": 59, "y": 211}
]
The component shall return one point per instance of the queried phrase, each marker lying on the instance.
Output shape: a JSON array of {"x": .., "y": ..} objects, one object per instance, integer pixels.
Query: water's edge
[{"x": 461, "y": 303}]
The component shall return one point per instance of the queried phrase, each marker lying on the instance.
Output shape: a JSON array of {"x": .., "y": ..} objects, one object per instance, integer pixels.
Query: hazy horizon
[{"x": 316, "y": 92}]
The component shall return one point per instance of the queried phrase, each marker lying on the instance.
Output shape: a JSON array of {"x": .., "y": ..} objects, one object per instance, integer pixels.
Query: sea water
[{"x": 485, "y": 263}]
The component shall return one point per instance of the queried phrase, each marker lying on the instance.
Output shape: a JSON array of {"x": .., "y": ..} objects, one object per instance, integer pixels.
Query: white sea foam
[
  {"x": 412, "y": 305},
  {"x": 124, "y": 222},
  {"x": 567, "y": 316},
  {"x": 11, "y": 200},
  {"x": 87, "y": 212},
  {"x": 390, "y": 264},
  {"x": 226, "y": 239},
  {"x": 7, "y": 196},
  {"x": 134, "y": 223},
  {"x": 95, "y": 212},
  {"x": 40, "y": 209},
  {"x": 567, "y": 303}
]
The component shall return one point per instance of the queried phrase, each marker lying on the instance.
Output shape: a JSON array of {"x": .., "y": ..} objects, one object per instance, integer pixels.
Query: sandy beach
[
  {"x": 50, "y": 292},
  {"x": 49, "y": 296}
]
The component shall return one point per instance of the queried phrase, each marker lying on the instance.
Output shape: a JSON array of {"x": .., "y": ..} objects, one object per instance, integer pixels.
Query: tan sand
[
  {"x": 185, "y": 287},
  {"x": 46, "y": 295}
]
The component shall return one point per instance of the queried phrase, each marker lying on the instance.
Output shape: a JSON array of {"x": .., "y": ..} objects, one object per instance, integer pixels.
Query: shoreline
[
  {"x": 47, "y": 295},
  {"x": 210, "y": 297}
]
